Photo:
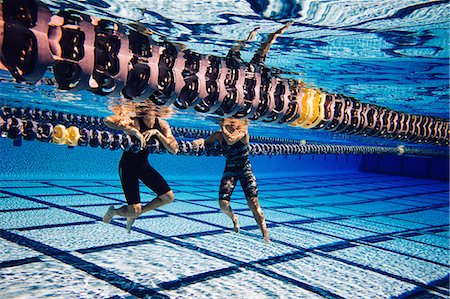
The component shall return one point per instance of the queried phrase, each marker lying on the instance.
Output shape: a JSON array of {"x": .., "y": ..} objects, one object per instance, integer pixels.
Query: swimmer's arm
[
  {"x": 215, "y": 137},
  {"x": 117, "y": 123},
  {"x": 166, "y": 137},
  {"x": 232, "y": 138}
]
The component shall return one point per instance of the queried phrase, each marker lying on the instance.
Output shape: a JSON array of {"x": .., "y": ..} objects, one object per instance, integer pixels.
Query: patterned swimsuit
[{"x": 237, "y": 167}]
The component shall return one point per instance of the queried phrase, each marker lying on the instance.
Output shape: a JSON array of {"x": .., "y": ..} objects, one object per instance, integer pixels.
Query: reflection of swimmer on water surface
[
  {"x": 145, "y": 124},
  {"x": 234, "y": 139}
]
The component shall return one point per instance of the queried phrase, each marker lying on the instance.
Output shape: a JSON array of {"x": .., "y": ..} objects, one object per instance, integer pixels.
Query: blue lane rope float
[{"x": 34, "y": 124}]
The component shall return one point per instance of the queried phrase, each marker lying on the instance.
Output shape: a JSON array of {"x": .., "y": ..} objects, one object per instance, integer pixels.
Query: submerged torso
[
  {"x": 237, "y": 153},
  {"x": 141, "y": 155}
]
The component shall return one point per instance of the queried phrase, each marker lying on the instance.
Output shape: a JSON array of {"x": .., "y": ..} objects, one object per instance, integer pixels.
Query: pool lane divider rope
[{"x": 75, "y": 130}]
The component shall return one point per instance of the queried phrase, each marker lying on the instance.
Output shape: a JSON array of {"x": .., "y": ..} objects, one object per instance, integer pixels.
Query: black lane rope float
[
  {"x": 80, "y": 130},
  {"x": 87, "y": 53}
]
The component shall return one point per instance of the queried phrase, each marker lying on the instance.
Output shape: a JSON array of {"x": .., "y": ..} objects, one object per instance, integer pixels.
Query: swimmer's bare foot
[
  {"x": 109, "y": 215},
  {"x": 266, "y": 240},
  {"x": 129, "y": 224},
  {"x": 236, "y": 224}
]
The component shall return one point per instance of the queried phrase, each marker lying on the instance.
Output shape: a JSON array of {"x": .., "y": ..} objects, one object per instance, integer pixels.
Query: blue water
[
  {"x": 342, "y": 226},
  {"x": 336, "y": 232},
  {"x": 393, "y": 54}
]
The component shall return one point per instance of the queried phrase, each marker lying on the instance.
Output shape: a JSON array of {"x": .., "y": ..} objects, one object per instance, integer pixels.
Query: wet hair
[
  {"x": 126, "y": 108},
  {"x": 240, "y": 123}
]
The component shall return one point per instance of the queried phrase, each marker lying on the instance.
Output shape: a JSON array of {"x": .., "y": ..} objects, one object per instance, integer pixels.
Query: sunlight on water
[
  {"x": 340, "y": 224},
  {"x": 392, "y": 54},
  {"x": 344, "y": 47}
]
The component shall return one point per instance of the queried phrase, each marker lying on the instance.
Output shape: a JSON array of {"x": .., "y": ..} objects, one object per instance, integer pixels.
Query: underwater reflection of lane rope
[{"x": 87, "y": 53}]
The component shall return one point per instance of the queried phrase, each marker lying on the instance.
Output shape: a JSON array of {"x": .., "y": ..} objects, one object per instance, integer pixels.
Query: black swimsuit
[
  {"x": 134, "y": 167},
  {"x": 237, "y": 167}
]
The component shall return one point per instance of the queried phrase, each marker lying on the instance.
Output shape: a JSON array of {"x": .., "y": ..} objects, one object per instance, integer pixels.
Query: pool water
[
  {"x": 337, "y": 228},
  {"x": 362, "y": 235},
  {"x": 341, "y": 226}
]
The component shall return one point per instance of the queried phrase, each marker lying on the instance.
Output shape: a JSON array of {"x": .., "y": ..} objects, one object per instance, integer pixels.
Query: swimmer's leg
[
  {"x": 235, "y": 51},
  {"x": 250, "y": 187},
  {"x": 254, "y": 206},
  {"x": 159, "y": 201},
  {"x": 227, "y": 185},
  {"x": 110, "y": 213},
  {"x": 131, "y": 212},
  {"x": 260, "y": 55},
  {"x": 226, "y": 208},
  {"x": 129, "y": 179},
  {"x": 153, "y": 180}
]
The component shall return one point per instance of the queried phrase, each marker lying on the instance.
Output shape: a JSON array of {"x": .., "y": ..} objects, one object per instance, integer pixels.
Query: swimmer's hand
[
  {"x": 149, "y": 133},
  {"x": 135, "y": 132},
  {"x": 198, "y": 143}
]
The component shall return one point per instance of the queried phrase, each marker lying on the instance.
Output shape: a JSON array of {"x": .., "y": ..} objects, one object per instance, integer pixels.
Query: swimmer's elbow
[
  {"x": 110, "y": 121},
  {"x": 174, "y": 148},
  {"x": 231, "y": 141},
  {"x": 113, "y": 122}
]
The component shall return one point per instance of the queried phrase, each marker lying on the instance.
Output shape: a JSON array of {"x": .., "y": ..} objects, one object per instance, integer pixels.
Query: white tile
[
  {"x": 335, "y": 230},
  {"x": 10, "y": 251},
  {"x": 172, "y": 226},
  {"x": 223, "y": 220},
  {"x": 154, "y": 263},
  {"x": 369, "y": 225},
  {"x": 393, "y": 263},
  {"x": 428, "y": 217},
  {"x": 390, "y": 220},
  {"x": 432, "y": 239},
  {"x": 341, "y": 279},
  {"x": 12, "y": 203},
  {"x": 298, "y": 237},
  {"x": 75, "y": 200},
  {"x": 31, "y": 218},
  {"x": 308, "y": 213},
  {"x": 242, "y": 284},
  {"x": 184, "y": 207},
  {"x": 52, "y": 279},
  {"x": 240, "y": 247},
  {"x": 41, "y": 191},
  {"x": 76, "y": 237},
  {"x": 417, "y": 249}
]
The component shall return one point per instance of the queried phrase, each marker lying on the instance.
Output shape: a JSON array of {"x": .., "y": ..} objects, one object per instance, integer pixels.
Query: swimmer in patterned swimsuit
[
  {"x": 134, "y": 166},
  {"x": 234, "y": 139}
]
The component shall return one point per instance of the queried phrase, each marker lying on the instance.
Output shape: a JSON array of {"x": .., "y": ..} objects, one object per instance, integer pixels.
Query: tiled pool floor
[{"x": 358, "y": 235}]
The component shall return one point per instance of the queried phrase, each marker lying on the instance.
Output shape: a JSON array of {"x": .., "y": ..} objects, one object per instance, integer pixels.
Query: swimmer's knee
[
  {"x": 224, "y": 203},
  {"x": 253, "y": 201},
  {"x": 167, "y": 197},
  {"x": 251, "y": 193},
  {"x": 224, "y": 196}
]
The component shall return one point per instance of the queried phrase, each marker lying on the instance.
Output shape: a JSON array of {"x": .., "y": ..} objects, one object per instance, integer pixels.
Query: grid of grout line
[{"x": 372, "y": 183}]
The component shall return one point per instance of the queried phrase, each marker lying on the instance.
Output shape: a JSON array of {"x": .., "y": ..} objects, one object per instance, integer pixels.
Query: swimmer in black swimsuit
[
  {"x": 134, "y": 166},
  {"x": 234, "y": 139}
]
